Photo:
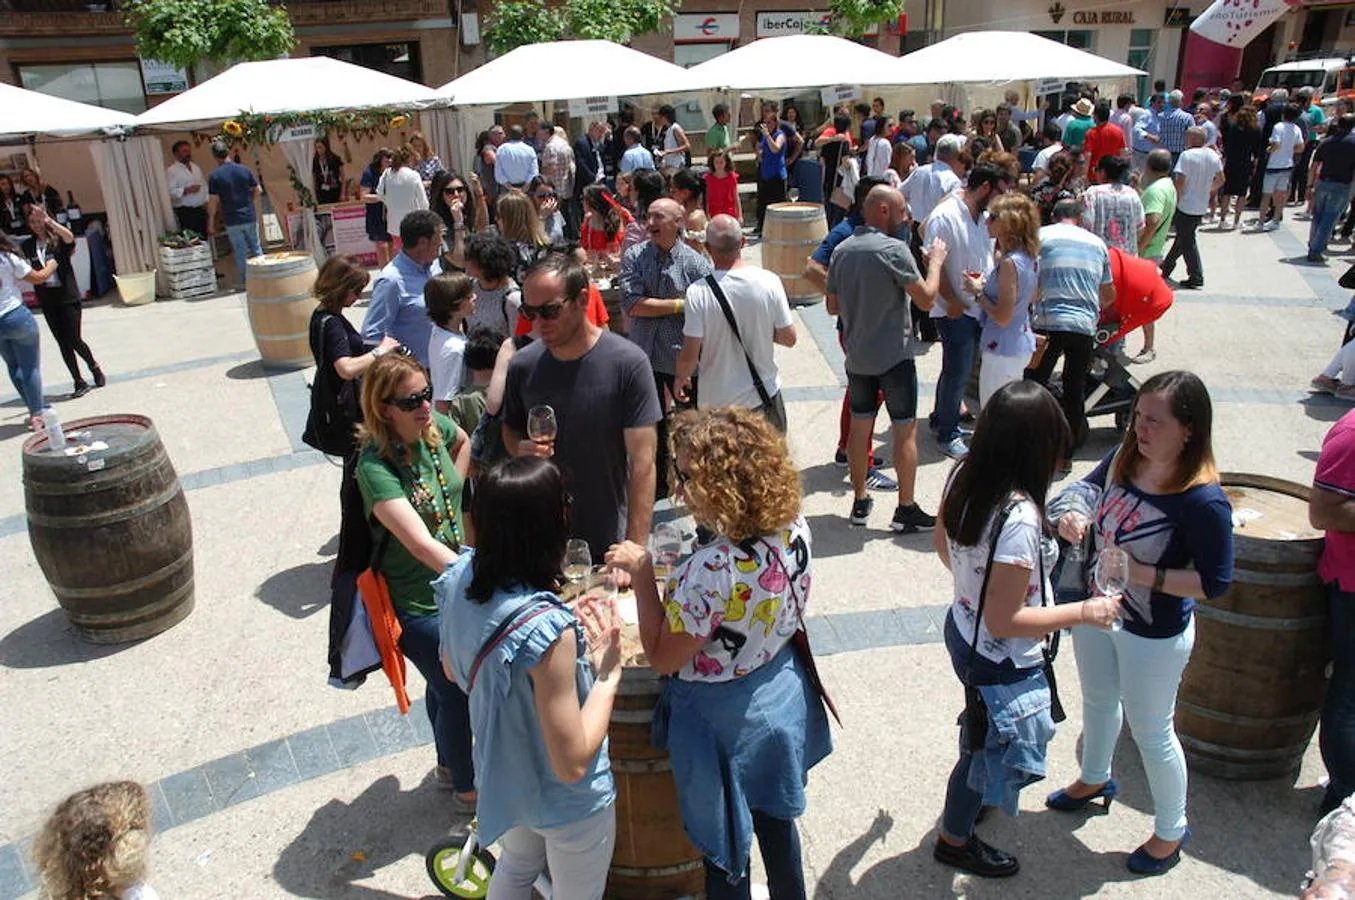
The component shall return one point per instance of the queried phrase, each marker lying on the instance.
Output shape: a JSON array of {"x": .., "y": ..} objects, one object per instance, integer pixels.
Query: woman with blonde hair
[
  {"x": 425, "y": 159},
  {"x": 37, "y": 191},
  {"x": 520, "y": 224},
  {"x": 744, "y": 721},
  {"x": 97, "y": 844},
  {"x": 411, "y": 463},
  {"x": 1005, "y": 294},
  {"x": 1157, "y": 497}
]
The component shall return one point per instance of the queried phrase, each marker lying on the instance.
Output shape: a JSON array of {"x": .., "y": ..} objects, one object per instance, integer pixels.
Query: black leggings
[
  {"x": 1078, "y": 350},
  {"x": 63, "y": 317}
]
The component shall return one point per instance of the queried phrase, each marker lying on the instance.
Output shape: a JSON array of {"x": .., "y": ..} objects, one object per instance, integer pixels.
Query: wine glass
[
  {"x": 794, "y": 195},
  {"x": 541, "y": 427},
  {"x": 666, "y": 547},
  {"x": 578, "y": 560},
  {"x": 1075, "y": 554},
  {"x": 1112, "y": 576}
]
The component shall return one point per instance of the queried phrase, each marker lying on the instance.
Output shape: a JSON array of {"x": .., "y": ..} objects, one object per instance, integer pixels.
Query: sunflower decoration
[
  {"x": 399, "y": 121},
  {"x": 233, "y": 128}
]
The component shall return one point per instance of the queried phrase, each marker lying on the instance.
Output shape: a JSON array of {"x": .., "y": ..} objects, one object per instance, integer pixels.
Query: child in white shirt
[{"x": 450, "y": 300}]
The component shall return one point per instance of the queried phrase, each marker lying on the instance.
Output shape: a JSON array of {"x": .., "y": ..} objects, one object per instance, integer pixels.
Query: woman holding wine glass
[
  {"x": 1157, "y": 499},
  {"x": 990, "y": 533}
]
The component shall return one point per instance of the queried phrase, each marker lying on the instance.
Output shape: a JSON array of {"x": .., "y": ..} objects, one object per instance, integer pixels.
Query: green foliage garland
[{"x": 253, "y": 128}]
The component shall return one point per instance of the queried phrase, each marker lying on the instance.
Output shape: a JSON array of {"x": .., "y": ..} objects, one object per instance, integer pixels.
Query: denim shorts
[{"x": 900, "y": 389}]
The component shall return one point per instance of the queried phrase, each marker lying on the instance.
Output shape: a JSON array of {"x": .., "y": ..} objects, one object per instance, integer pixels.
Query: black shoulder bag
[
  {"x": 772, "y": 407},
  {"x": 334, "y": 407},
  {"x": 976, "y": 711}
]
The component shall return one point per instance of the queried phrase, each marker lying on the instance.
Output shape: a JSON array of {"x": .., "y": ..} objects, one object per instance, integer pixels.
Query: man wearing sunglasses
[
  {"x": 606, "y": 407},
  {"x": 397, "y": 307}
]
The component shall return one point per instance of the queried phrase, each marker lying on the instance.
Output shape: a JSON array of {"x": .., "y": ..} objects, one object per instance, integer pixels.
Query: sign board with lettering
[
  {"x": 162, "y": 78},
  {"x": 279, "y": 135},
  {"x": 839, "y": 93},
  {"x": 1048, "y": 86},
  {"x": 590, "y": 107},
  {"x": 1103, "y": 17},
  {"x": 778, "y": 24},
  {"x": 705, "y": 28}
]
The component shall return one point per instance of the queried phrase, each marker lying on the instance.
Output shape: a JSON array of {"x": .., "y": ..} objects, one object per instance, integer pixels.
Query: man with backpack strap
[{"x": 734, "y": 316}]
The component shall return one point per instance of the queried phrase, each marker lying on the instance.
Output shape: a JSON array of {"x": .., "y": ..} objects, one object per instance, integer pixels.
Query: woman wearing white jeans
[
  {"x": 1006, "y": 294},
  {"x": 1160, "y": 502}
]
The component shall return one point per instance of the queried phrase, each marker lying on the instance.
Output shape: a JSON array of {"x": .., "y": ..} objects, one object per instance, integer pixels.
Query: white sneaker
[{"x": 1272, "y": 225}]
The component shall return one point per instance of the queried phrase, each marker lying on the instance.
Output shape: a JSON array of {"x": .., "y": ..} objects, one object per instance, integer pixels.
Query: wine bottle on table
[{"x": 73, "y": 213}]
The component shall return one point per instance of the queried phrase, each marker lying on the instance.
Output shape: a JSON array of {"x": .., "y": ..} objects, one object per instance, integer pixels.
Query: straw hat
[{"x": 1083, "y": 107}]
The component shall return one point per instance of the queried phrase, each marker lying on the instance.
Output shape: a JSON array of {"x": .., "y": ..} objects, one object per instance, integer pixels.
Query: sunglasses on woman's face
[
  {"x": 544, "y": 195},
  {"x": 548, "y": 311},
  {"x": 454, "y": 189},
  {"x": 413, "y": 401}
]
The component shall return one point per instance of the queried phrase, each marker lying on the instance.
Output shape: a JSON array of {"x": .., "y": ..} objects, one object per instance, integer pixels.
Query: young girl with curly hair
[{"x": 96, "y": 845}]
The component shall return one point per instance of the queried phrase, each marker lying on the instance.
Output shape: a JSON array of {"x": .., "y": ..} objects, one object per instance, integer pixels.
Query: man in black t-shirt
[
  {"x": 602, "y": 391},
  {"x": 1330, "y": 176}
]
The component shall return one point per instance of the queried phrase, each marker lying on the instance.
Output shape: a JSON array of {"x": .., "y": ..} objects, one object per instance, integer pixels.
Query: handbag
[
  {"x": 976, "y": 711},
  {"x": 772, "y": 407},
  {"x": 333, "y": 408}
]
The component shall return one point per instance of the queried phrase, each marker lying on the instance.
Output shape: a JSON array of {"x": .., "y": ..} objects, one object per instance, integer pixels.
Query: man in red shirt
[{"x": 1103, "y": 138}]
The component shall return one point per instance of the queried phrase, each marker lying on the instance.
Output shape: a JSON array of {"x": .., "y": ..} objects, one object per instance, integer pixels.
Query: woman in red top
[
  {"x": 722, "y": 186},
  {"x": 604, "y": 221}
]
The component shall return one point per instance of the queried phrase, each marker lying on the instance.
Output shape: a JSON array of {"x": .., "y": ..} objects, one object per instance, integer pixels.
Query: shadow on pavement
[
  {"x": 18, "y": 429},
  {"x": 298, "y": 592},
  {"x": 344, "y": 843},
  {"x": 1321, "y": 408},
  {"x": 49, "y": 640},
  {"x": 248, "y": 371}
]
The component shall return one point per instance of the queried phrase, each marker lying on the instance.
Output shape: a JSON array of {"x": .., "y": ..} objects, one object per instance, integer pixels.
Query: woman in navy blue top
[{"x": 1159, "y": 500}]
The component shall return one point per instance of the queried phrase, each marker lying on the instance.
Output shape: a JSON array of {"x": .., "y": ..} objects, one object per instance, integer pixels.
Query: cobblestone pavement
[{"x": 268, "y": 783}]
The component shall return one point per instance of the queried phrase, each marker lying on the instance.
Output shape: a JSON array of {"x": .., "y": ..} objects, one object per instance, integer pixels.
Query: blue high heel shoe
[
  {"x": 1063, "y": 802},
  {"x": 1140, "y": 863}
]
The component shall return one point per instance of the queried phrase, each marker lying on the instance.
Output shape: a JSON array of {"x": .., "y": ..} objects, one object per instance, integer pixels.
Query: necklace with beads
[{"x": 422, "y": 497}]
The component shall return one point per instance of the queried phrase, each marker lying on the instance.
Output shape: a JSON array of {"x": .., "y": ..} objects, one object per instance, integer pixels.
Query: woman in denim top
[
  {"x": 743, "y": 723},
  {"x": 1006, "y": 294},
  {"x": 1019, "y": 440},
  {"x": 540, "y": 695}
]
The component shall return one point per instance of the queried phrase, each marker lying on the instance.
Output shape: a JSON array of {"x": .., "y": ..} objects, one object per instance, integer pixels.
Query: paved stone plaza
[{"x": 268, "y": 783}]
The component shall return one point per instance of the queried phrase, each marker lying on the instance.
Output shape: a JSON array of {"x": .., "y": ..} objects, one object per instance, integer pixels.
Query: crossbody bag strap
[
  {"x": 987, "y": 575},
  {"x": 720, "y": 298},
  {"x": 510, "y": 623}
]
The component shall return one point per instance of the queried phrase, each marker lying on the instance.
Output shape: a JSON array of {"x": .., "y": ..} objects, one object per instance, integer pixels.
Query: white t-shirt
[
  {"x": 759, "y": 302},
  {"x": 1198, "y": 165},
  {"x": 496, "y": 308},
  {"x": 1020, "y": 541},
  {"x": 927, "y": 186},
  {"x": 1044, "y": 156},
  {"x": 1288, "y": 136},
  {"x": 402, "y": 191},
  {"x": 878, "y": 156},
  {"x": 13, "y": 268},
  {"x": 446, "y": 354},
  {"x": 970, "y": 249}
]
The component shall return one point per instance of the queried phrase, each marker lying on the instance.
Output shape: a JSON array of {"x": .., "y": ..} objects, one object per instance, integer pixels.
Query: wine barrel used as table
[
  {"x": 790, "y": 235},
  {"x": 1252, "y": 692},
  {"x": 278, "y": 291},
  {"x": 653, "y": 858},
  {"x": 110, "y": 528}
]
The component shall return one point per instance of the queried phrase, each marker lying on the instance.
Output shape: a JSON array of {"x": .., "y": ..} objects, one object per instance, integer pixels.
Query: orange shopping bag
[{"x": 376, "y": 598}]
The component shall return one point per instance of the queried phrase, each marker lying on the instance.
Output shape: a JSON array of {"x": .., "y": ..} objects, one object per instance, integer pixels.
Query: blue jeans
[
  {"x": 1337, "y": 737},
  {"x": 1119, "y": 670},
  {"x": 1329, "y": 200},
  {"x": 19, "y": 343},
  {"x": 448, "y": 706},
  {"x": 780, "y": 845},
  {"x": 244, "y": 244},
  {"x": 959, "y": 343}
]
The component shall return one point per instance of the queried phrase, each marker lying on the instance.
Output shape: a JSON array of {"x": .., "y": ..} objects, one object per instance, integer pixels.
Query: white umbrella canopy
[
  {"x": 303, "y": 84},
  {"x": 567, "y": 70},
  {"x": 32, "y": 113},
  {"x": 1002, "y": 56},
  {"x": 796, "y": 61}
]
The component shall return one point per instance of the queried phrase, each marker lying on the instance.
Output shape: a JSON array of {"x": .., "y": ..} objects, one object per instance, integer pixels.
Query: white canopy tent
[
  {"x": 559, "y": 70},
  {"x": 300, "y": 85},
  {"x": 32, "y": 114},
  {"x": 796, "y": 61},
  {"x": 1001, "y": 57}
]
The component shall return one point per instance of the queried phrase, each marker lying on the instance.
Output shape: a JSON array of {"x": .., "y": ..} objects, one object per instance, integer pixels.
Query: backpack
[{"x": 334, "y": 401}]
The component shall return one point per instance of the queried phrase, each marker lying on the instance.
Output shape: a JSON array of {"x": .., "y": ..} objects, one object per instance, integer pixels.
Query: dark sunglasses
[
  {"x": 550, "y": 311},
  {"x": 413, "y": 401},
  {"x": 454, "y": 189},
  {"x": 544, "y": 195}
]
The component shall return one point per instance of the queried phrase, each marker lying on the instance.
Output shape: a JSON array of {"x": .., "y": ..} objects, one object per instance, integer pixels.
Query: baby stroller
[{"x": 1141, "y": 297}]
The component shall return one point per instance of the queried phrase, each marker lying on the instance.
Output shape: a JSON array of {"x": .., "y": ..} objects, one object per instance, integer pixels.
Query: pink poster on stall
[{"x": 350, "y": 234}]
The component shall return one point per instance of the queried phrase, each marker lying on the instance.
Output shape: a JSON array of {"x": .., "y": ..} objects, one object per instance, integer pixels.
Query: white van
[{"x": 1318, "y": 74}]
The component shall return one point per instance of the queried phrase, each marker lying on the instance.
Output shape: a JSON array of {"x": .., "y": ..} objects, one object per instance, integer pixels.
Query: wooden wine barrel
[
  {"x": 1253, "y": 690},
  {"x": 110, "y": 528},
  {"x": 790, "y": 235},
  {"x": 653, "y": 858},
  {"x": 278, "y": 290}
]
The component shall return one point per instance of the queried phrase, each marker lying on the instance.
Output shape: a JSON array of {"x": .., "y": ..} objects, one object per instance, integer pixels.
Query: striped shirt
[{"x": 1074, "y": 263}]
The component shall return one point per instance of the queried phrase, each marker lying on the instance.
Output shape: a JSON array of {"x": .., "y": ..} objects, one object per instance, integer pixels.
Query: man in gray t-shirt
[{"x": 871, "y": 279}]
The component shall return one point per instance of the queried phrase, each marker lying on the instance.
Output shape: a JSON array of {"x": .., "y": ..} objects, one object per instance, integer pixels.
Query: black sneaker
[
  {"x": 977, "y": 857},
  {"x": 861, "y": 510},
  {"x": 911, "y": 519},
  {"x": 81, "y": 390}
]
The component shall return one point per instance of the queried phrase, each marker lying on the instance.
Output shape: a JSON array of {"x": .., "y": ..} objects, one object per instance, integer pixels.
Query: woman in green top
[{"x": 410, "y": 469}]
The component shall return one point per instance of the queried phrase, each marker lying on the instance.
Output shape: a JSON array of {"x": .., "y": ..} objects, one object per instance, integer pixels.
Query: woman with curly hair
[
  {"x": 97, "y": 844},
  {"x": 744, "y": 722}
]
